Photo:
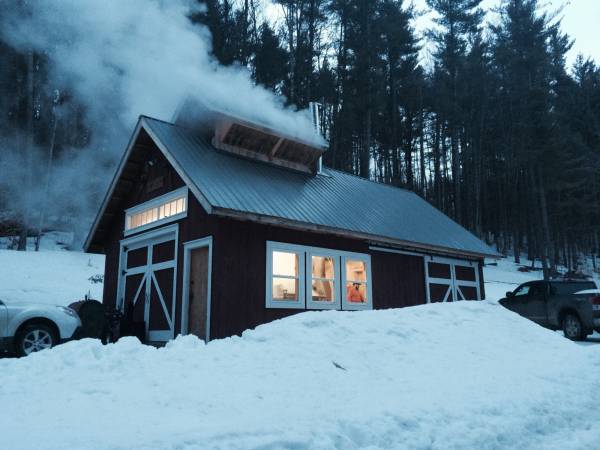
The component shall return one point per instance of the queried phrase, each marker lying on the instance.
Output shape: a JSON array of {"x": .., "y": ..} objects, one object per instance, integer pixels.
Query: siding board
[{"x": 239, "y": 257}]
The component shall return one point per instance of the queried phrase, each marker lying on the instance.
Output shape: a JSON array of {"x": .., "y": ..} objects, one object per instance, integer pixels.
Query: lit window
[
  {"x": 285, "y": 274},
  {"x": 166, "y": 208},
  {"x": 357, "y": 294},
  {"x": 325, "y": 284},
  {"x": 322, "y": 283}
]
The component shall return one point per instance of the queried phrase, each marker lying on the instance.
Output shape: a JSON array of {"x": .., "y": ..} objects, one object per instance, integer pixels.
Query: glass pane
[
  {"x": 322, "y": 291},
  {"x": 356, "y": 292},
  {"x": 180, "y": 207},
  {"x": 356, "y": 270},
  {"x": 322, "y": 267},
  {"x": 285, "y": 263},
  {"x": 522, "y": 291},
  {"x": 285, "y": 289}
]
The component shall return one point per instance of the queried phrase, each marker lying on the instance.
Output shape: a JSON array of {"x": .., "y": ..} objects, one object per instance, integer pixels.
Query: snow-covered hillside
[
  {"x": 52, "y": 276},
  {"x": 469, "y": 375},
  {"x": 504, "y": 275}
]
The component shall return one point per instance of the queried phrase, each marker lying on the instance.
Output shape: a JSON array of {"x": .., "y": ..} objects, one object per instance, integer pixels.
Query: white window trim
[
  {"x": 157, "y": 201},
  {"x": 305, "y": 254},
  {"x": 288, "y": 248},
  {"x": 310, "y": 303}
]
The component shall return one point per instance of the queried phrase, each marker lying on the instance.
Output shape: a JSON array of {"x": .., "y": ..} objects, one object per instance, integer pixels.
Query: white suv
[{"x": 29, "y": 327}]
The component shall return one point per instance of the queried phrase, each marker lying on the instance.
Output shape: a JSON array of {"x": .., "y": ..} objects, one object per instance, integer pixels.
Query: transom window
[
  {"x": 160, "y": 210},
  {"x": 316, "y": 278}
]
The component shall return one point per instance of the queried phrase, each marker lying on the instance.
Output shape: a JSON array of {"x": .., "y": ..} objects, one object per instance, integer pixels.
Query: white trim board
[
  {"x": 187, "y": 250},
  {"x": 305, "y": 278},
  {"x": 453, "y": 283},
  {"x": 182, "y": 192},
  {"x": 150, "y": 239}
]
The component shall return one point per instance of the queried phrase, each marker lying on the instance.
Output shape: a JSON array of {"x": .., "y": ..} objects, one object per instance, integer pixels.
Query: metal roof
[{"x": 332, "y": 201}]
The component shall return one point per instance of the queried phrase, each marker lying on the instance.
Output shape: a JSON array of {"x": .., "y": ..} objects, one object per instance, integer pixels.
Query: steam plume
[{"x": 126, "y": 58}]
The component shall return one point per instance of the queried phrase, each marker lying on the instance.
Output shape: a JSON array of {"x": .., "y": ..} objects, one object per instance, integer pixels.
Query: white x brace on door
[
  {"x": 147, "y": 281},
  {"x": 448, "y": 280}
]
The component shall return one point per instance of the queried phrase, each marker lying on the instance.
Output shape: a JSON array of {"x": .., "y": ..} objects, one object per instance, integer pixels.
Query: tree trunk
[{"x": 27, "y": 154}]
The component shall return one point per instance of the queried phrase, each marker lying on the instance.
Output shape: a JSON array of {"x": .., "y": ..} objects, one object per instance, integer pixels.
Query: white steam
[
  {"x": 123, "y": 58},
  {"x": 126, "y": 58}
]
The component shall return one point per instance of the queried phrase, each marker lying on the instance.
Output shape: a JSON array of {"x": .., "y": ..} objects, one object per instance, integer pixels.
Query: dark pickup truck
[{"x": 571, "y": 306}]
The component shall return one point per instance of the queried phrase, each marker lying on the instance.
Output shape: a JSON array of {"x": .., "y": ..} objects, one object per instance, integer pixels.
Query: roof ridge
[
  {"x": 144, "y": 116},
  {"x": 378, "y": 183}
]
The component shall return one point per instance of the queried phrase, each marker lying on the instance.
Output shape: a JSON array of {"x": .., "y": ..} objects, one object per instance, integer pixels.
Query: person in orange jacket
[{"x": 354, "y": 295}]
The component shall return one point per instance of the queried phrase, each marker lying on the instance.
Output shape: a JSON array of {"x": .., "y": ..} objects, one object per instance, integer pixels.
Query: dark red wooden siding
[
  {"x": 239, "y": 256},
  {"x": 398, "y": 280}
]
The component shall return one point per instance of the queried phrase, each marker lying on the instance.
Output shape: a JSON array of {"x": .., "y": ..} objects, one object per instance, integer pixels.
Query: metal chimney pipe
[{"x": 316, "y": 120}]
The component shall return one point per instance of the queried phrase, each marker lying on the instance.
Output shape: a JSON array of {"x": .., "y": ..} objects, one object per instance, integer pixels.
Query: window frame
[
  {"x": 346, "y": 304},
  {"x": 305, "y": 254},
  {"x": 153, "y": 203},
  {"x": 285, "y": 304},
  {"x": 310, "y": 303}
]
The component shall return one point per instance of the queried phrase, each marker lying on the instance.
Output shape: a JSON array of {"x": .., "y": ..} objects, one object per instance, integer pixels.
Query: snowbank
[
  {"x": 444, "y": 376},
  {"x": 505, "y": 276},
  {"x": 50, "y": 276}
]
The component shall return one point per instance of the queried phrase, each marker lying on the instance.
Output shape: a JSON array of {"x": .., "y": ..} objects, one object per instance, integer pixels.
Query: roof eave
[
  {"x": 142, "y": 124},
  {"x": 305, "y": 226},
  {"x": 113, "y": 185}
]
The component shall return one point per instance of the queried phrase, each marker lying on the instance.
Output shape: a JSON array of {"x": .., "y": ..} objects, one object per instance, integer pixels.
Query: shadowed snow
[{"x": 442, "y": 376}]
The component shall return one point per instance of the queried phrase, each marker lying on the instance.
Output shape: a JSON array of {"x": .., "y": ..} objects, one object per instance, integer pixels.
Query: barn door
[
  {"x": 197, "y": 265},
  {"x": 147, "y": 282},
  {"x": 449, "y": 280}
]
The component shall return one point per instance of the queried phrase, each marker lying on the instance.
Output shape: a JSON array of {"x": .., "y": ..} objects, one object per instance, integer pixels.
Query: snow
[
  {"x": 505, "y": 276},
  {"x": 468, "y": 375},
  {"x": 50, "y": 276}
]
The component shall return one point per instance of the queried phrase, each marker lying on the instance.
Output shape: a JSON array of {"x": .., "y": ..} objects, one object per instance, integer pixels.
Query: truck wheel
[
  {"x": 572, "y": 327},
  {"x": 33, "y": 338}
]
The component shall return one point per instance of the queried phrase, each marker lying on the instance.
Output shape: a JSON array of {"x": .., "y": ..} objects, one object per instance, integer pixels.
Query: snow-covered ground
[
  {"x": 52, "y": 276},
  {"x": 469, "y": 375},
  {"x": 444, "y": 376},
  {"x": 504, "y": 275}
]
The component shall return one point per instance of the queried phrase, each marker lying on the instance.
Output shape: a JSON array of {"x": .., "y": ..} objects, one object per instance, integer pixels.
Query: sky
[{"x": 580, "y": 20}]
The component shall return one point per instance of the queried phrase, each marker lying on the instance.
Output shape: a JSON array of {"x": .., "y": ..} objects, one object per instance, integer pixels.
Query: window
[
  {"x": 309, "y": 277},
  {"x": 357, "y": 295},
  {"x": 568, "y": 288},
  {"x": 285, "y": 274},
  {"x": 523, "y": 291},
  {"x": 322, "y": 286},
  {"x": 163, "y": 209}
]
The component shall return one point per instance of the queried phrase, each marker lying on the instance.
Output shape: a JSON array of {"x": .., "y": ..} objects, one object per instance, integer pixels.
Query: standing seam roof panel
[{"x": 336, "y": 199}]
